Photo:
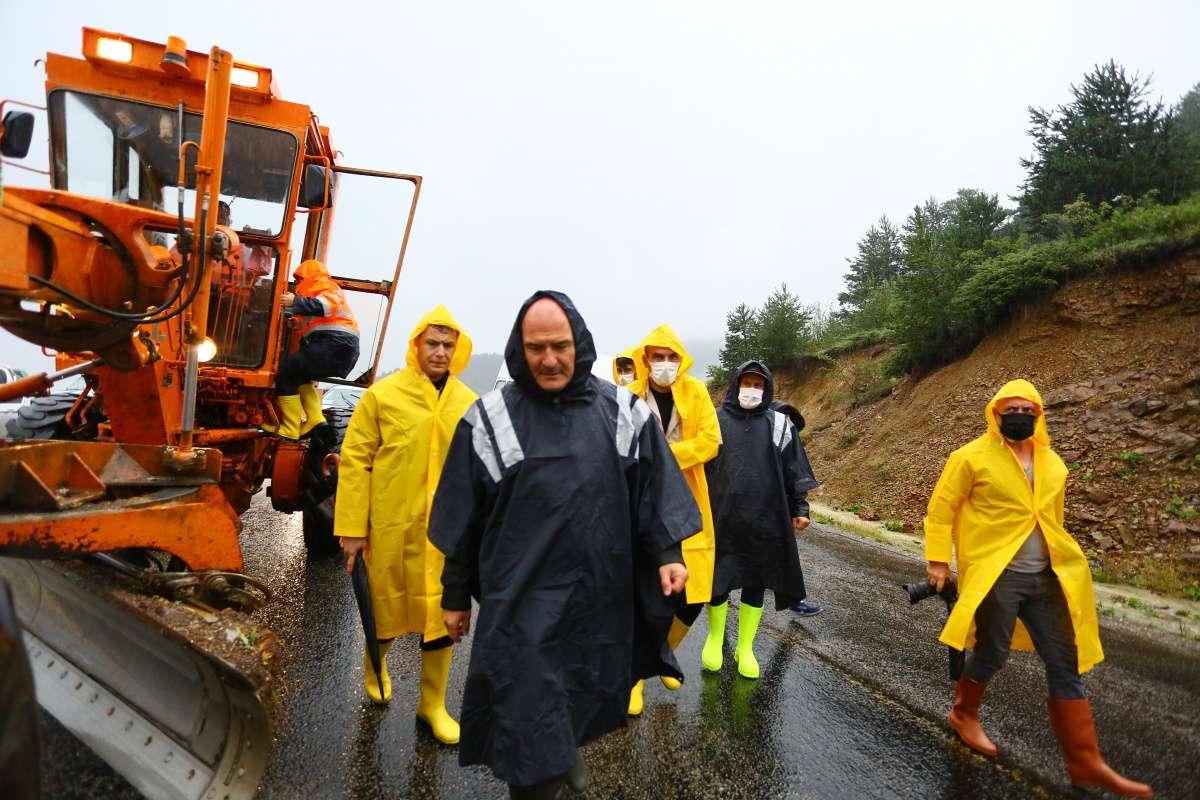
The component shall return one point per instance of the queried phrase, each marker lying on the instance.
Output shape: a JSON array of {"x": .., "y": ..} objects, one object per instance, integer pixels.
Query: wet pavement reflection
[{"x": 849, "y": 704}]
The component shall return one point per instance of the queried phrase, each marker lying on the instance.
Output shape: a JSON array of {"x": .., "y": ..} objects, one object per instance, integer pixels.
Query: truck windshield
[{"x": 126, "y": 151}]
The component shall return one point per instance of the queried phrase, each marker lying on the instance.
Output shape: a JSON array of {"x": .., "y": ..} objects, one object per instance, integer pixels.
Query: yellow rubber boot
[
  {"x": 311, "y": 402},
  {"x": 289, "y": 426},
  {"x": 748, "y": 619},
  {"x": 712, "y": 657},
  {"x": 635, "y": 699},
  {"x": 372, "y": 685},
  {"x": 678, "y": 630},
  {"x": 435, "y": 672}
]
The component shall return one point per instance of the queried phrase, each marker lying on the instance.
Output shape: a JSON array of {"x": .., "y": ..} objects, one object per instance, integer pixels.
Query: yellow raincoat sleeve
[
  {"x": 701, "y": 448},
  {"x": 951, "y": 491},
  {"x": 352, "y": 508}
]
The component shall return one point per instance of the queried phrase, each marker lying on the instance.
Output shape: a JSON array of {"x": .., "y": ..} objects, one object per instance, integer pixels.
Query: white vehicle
[{"x": 602, "y": 369}]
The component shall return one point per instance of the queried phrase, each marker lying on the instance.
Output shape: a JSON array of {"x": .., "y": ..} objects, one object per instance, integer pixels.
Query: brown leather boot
[
  {"x": 1076, "y": 732},
  {"x": 964, "y": 717}
]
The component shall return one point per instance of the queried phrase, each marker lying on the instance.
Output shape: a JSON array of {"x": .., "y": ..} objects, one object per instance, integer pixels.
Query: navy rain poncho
[
  {"x": 555, "y": 511},
  {"x": 758, "y": 483}
]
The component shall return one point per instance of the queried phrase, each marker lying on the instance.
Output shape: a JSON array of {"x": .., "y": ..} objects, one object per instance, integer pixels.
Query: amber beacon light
[{"x": 174, "y": 60}]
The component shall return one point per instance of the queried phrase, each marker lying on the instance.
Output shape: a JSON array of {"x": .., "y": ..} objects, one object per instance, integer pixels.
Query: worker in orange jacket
[{"x": 328, "y": 348}]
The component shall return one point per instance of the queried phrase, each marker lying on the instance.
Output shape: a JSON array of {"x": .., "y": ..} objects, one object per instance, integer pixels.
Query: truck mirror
[
  {"x": 18, "y": 133},
  {"x": 313, "y": 187}
]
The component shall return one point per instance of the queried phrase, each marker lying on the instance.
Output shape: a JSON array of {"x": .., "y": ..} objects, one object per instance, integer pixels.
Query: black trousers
[
  {"x": 688, "y": 613},
  {"x": 1037, "y": 600},
  {"x": 324, "y": 354}
]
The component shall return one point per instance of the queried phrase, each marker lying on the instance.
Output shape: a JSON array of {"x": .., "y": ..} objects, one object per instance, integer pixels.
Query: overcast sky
[{"x": 661, "y": 162}]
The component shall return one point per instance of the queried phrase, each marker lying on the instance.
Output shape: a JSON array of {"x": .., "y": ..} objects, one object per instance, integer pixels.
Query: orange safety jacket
[{"x": 315, "y": 283}]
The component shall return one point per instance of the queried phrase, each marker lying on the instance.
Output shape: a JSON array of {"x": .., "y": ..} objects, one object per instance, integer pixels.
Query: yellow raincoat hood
[
  {"x": 391, "y": 462},
  {"x": 662, "y": 336},
  {"x": 440, "y": 316},
  {"x": 694, "y": 434},
  {"x": 1024, "y": 390},
  {"x": 982, "y": 510},
  {"x": 638, "y": 369}
]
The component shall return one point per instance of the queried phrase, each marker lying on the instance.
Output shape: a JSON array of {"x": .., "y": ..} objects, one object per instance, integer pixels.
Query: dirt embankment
[{"x": 1117, "y": 360}]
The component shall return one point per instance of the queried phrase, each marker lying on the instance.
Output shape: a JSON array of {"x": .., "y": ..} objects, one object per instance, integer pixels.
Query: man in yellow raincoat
[
  {"x": 685, "y": 411},
  {"x": 1023, "y": 580},
  {"x": 625, "y": 369},
  {"x": 391, "y": 460}
]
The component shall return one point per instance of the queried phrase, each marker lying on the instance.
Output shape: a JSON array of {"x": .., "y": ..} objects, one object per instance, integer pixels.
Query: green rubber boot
[
  {"x": 711, "y": 657},
  {"x": 748, "y": 619}
]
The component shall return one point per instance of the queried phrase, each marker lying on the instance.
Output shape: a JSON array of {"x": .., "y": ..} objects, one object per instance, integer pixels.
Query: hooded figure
[
  {"x": 619, "y": 362},
  {"x": 558, "y": 511},
  {"x": 753, "y": 482},
  {"x": 328, "y": 348},
  {"x": 391, "y": 461},
  {"x": 685, "y": 413},
  {"x": 1023, "y": 580}
]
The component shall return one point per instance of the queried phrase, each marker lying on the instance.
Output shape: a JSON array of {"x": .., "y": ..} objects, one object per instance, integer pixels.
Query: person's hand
[
  {"x": 458, "y": 623},
  {"x": 939, "y": 574},
  {"x": 800, "y": 523},
  {"x": 286, "y": 300},
  {"x": 672, "y": 577},
  {"x": 352, "y": 546}
]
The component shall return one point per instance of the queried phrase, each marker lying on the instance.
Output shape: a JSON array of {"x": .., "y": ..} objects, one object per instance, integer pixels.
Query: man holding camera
[{"x": 1025, "y": 582}]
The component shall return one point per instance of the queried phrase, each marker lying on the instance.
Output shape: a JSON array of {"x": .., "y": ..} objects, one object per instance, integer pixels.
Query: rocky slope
[{"x": 1117, "y": 359}]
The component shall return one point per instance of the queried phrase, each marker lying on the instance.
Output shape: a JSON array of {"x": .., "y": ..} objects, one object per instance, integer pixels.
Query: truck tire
[
  {"x": 42, "y": 418},
  {"x": 319, "y": 491}
]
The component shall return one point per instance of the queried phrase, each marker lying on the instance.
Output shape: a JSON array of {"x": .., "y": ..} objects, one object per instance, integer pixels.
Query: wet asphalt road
[{"x": 850, "y": 703}]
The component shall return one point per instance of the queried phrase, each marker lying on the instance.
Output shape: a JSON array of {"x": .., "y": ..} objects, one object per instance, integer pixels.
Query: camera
[{"x": 923, "y": 590}]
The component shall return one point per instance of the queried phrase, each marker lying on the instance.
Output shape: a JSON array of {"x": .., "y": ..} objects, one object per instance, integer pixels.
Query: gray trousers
[{"x": 1037, "y": 600}]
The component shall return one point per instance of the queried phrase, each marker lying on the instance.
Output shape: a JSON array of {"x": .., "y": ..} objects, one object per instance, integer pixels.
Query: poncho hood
[
  {"x": 585, "y": 352},
  {"x": 731, "y": 396}
]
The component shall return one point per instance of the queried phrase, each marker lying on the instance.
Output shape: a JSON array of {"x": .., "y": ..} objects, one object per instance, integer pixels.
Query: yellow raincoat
[
  {"x": 697, "y": 441},
  {"x": 984, "y": 505},
  {"x": 639, "y": 371},
  {"x": 392, "y": 458}
]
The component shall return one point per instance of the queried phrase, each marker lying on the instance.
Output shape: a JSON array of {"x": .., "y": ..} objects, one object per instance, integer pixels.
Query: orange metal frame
[{"x": 141, "y": 386}]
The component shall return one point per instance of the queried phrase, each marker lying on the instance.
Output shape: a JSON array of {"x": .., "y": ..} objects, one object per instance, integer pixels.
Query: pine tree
[
  {"x": 782, "y": 329},
  {"x": 879, "y": 260},
  {"x": 741, "y": 343},
  {"x": 1110, "y": 140}
]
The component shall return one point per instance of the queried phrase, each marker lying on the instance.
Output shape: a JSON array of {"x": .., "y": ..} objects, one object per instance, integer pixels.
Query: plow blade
[{"x": 171, "y": 697}]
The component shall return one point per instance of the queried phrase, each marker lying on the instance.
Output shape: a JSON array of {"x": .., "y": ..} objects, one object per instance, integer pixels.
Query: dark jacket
[
  {"x": 755, "y": 486},
  {"x": 555, "y": 510}
]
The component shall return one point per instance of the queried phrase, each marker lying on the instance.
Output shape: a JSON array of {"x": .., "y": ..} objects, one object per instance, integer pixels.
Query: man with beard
[{"x": 561, "y": 510}]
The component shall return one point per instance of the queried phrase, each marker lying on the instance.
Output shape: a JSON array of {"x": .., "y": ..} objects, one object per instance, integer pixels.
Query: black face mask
[{"x": 1017, "y": 427}]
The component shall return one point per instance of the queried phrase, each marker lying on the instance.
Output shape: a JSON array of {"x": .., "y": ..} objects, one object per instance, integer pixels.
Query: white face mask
[
  {"x": 750, "y": 398},
  {"x": 624, "y": 379},
  {"x": 664, "y": 373}
]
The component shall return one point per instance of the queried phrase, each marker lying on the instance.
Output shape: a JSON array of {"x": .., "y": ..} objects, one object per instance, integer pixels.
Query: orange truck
[{"x": 183, "y": 191}]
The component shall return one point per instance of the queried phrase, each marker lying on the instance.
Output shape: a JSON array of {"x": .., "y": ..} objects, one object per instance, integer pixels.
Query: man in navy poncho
[
  {"x": 757, "y": 502},
  {"x": 560, "y": 509}
]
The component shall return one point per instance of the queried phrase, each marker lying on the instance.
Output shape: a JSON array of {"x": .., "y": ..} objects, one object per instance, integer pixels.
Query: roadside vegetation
[{"x": 1114, "y": 178}]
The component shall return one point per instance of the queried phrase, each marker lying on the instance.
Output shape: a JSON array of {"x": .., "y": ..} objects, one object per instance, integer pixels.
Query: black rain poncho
[
  {"x": 757, "y": 484},
  {"x": 555, "y": 511}
]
